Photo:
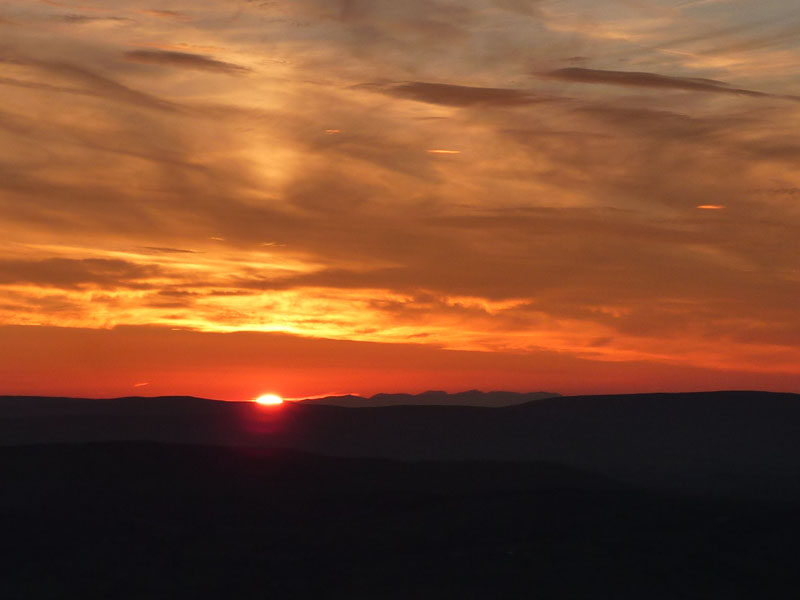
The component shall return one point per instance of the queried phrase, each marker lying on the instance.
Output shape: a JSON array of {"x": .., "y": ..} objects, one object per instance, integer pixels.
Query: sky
[{"x": 231, "y": 197}]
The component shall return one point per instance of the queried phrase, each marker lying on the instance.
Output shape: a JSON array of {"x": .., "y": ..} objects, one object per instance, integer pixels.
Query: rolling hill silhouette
[
  {"x": 721, "y": 442},
  {"x": 626, "y": 497},
  {"x": 147, "y": 520}
]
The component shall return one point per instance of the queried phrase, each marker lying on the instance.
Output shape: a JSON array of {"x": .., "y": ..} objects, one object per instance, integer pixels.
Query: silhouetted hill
[
  {"x": 47, "y": 406},
  {"x": 144, "y": 520},
  {"x": 720, "y": 442},
  {"x": 280, "y": 469},
  {"x": 433, "y": 398}
]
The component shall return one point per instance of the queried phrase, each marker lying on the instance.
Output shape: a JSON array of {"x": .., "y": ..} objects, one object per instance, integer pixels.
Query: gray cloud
[
  {"x": 42, "y": 86},
  {"x": 163, "y": 250},
  {"x": 653, "y": 80},
  {"x": 165, "y": 14},
  {"x": 72, "y": 273},
  {"x": 81, "y": 19},
  {"x": 185, "y": 60},
  {"x": 458, "y": 95},
  {"x": 525, "y": 7},
  {"x": 95, "y": 84}
]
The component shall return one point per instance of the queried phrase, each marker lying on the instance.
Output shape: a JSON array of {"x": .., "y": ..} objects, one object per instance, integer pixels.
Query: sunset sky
[{"x": 225, "y": 197}]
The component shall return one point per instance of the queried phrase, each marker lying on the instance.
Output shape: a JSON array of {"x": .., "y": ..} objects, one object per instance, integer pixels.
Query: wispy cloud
[
  {"x": 452, "y": 199},
  {"x": 79, "y": 19},
  {"x": 654, "y": 80},
  {"x": 185, "y": 60},
  {"x": 164, "y": 14},
  {"x": 71, "y": 273},
  {"x": 92, "y": 83},
  {"x": 458, "y": 95}
]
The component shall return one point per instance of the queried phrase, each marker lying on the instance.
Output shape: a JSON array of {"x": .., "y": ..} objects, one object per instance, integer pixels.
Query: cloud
[
  {"x": 72, "y": 273},
  {"x": 164, "y": 14},
  {"x": 458, "y": 95},
  {"x": 42, "y": 86},
  {"x": 94, "y": 84},
  {"x": 525, "y": 7},
  {"x": 185, "y": 60},
  {"x": 653, "y": 80},
  {"x": 78, "y": 19},
  {"x": 163, "y": 250},
  {"x": 563, "y": 221}
]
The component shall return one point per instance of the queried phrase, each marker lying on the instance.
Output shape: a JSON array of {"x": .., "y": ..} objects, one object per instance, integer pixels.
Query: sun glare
[{"x": 269, "y": 399}]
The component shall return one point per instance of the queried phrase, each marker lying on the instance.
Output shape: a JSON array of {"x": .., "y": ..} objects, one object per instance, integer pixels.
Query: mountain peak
[{"x": 494, "y": 399}]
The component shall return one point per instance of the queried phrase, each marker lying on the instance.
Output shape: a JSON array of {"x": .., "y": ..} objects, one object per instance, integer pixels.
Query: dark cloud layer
[
  {"x": 653, "y": 80},
  {"x": 165, "y": 14},
  {"x": 93, "y": 83},
  {"x": 81, "y": 19},
  {"x": 185, "y": 60},
  {"x": 459, "y": 95},
  {"x": 71, "y": 273}
]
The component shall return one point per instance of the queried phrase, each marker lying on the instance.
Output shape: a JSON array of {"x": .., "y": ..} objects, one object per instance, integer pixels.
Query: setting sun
[{"x": 269, "y": 399}]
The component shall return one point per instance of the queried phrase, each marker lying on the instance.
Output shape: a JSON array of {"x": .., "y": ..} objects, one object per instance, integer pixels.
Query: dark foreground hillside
[{"x": 145, "y": 520}]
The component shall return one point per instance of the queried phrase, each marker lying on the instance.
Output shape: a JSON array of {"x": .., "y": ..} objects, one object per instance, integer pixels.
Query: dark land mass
[
  {"x": 434, "y": 398},
  {"x": 739, "y": 443},
  {"x": 640, "y": 496},
  {"x": 165, "y": 521}
]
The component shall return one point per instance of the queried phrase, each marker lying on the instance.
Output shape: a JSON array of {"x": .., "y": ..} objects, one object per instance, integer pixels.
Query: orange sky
[{"x": 226, "y": 197}]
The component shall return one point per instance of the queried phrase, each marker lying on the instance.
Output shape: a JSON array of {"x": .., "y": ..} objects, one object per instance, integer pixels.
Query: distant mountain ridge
[
  {"x": 727, "y": 442},
  {"x": 433, "y": 398},
  {"x": 51, "y": 406}
]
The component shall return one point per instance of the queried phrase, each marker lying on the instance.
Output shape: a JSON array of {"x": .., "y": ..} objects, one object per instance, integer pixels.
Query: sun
[{"x": 269, "y": 399}]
